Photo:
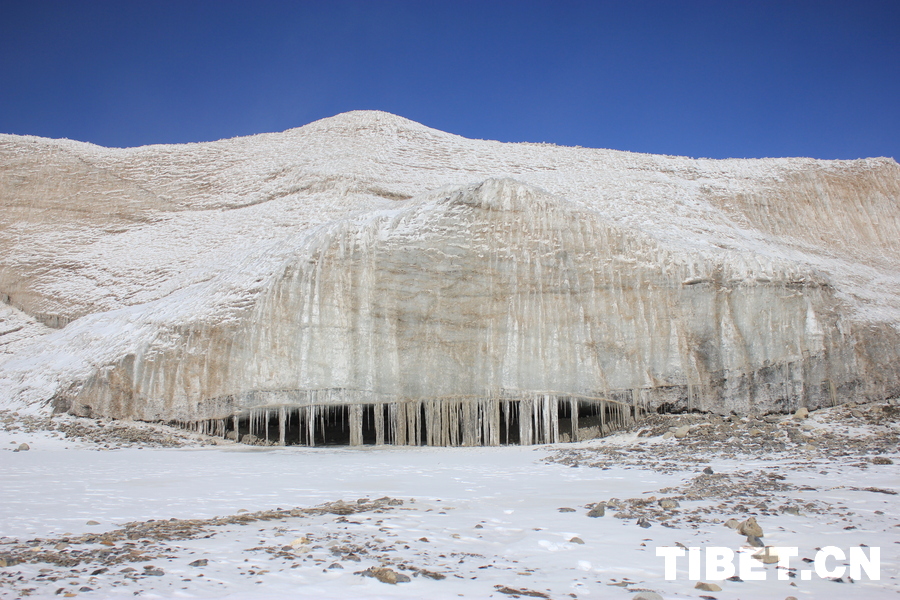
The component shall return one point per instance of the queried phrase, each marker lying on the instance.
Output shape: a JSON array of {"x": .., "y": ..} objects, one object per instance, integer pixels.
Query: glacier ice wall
[
  {"x": 368, "y": 260},
  {"x": 500, "y": 290}
]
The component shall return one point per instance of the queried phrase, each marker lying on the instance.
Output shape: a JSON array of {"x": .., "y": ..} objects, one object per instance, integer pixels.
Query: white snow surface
[{"x": 490, "y": 516}]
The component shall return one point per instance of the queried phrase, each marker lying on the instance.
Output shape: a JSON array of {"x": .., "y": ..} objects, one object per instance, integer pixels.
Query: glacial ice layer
[
  {"x": 463, "y": 302},
  {"x": 343, "y": 282}
]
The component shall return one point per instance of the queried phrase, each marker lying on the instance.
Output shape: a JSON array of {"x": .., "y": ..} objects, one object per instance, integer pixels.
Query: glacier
[{"x": 423, "y": 288}]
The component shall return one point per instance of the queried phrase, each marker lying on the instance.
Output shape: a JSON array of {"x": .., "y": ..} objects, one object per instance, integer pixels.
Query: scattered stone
[
  {"x": 92, "y": 523},
  {"x": 708, "y": 471},
  {"x": 880, "y": 491},
  {"x": 23, "y": 447},
  {"x": 750, "y": 527},
  {"x": 882, "y": 460},
  {"x": 646, "y": 596},
  {"x": 755, "y": 542},
  {"x": 598, "y": 510},
  {"x": 801, "y": 413},
  {"x": 565, "y": 509},
  {"x": 521, "y": 592},
  {"x": 733, "y": 523},
  {"x": 576, "y": 540},
  {"x": 385, "y": 575},
  {"x": 644, "y": 522},
  {"x": 707, "y": 587},
  {"x": 668, "y": 504},
  {"x": 200, "y": 562},
  {"x": 431, "y": 574},
  {"x": 335, "y": 565},
  {"x": 682, "y": 432}
]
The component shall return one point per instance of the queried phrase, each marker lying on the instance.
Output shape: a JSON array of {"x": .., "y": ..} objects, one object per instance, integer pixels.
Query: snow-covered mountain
[{"x": 430, "y": 282}]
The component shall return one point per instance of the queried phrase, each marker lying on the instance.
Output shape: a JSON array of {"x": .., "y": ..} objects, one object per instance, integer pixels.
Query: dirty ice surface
[{"x": 486, "y": 519}]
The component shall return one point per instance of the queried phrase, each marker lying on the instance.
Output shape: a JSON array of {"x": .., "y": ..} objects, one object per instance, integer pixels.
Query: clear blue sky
[{"x": 718, "y": 78}]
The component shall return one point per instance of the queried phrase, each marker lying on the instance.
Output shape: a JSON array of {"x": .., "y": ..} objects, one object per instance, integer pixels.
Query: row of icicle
[{"x": 429, "y": 422}]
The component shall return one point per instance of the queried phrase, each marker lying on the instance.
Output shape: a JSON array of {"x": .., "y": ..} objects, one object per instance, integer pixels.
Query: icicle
[
  {"x": 430, "y": 425},
  {"x": 282, "y": 424},
  {"x": 399, "y": 419},
  {"x": 573, "y": 410},
  {"x": 414, "y": 413},
  {"x": 237, "y": 431},
  {"x": 379, "y": 424},
  {"x": 453, "y": 414},
  {"x": 289, "y": 413},
  {"x": 494, "y": 429},
  {"x": 311, "y": 426},
  {"x": 468, "y": 423},
  {"x": 356, "y": 424},
  {"x": 525, "y": 421},
  {"x": 635, "y": 402},
  {"x": 554, "y": 419}
]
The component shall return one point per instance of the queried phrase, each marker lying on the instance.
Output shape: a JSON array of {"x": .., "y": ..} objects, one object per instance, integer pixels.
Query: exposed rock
[
  {"x": 23, "y": 447},
  {"x": 385, "y": 575},
  {"x": 646, "y": 596},
  {"x": 517, "y": 592},
  {"x": 598, "y": 510},
  {"x": 750, "y": 528},
  {"x": 707, "y": 587},
  {"x": 682, "y": 432},
  {"x": 801, "y": 413},
  {"x": 576, "y": 540},
  {"x": 755, "y": 542}
]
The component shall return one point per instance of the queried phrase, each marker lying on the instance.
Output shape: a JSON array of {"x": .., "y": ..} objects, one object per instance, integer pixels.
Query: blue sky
[{"x": 722, "y": 78}]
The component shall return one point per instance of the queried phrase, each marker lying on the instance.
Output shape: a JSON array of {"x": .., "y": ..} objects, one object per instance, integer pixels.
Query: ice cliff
[{"x": 405, "y": 274}]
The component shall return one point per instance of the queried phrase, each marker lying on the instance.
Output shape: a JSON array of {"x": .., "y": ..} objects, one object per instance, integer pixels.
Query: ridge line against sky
[{"x": 695, "y": 78}]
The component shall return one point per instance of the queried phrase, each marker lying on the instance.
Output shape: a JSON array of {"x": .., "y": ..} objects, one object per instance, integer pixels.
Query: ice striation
[{"x": 365, "y": 279}]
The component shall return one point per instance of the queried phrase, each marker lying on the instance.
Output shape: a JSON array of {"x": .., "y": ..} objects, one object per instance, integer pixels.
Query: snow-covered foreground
[{"x": 486, "y": 519}]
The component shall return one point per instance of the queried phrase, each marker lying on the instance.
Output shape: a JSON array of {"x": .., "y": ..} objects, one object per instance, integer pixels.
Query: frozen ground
[{"x": 75, "y": 512}]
